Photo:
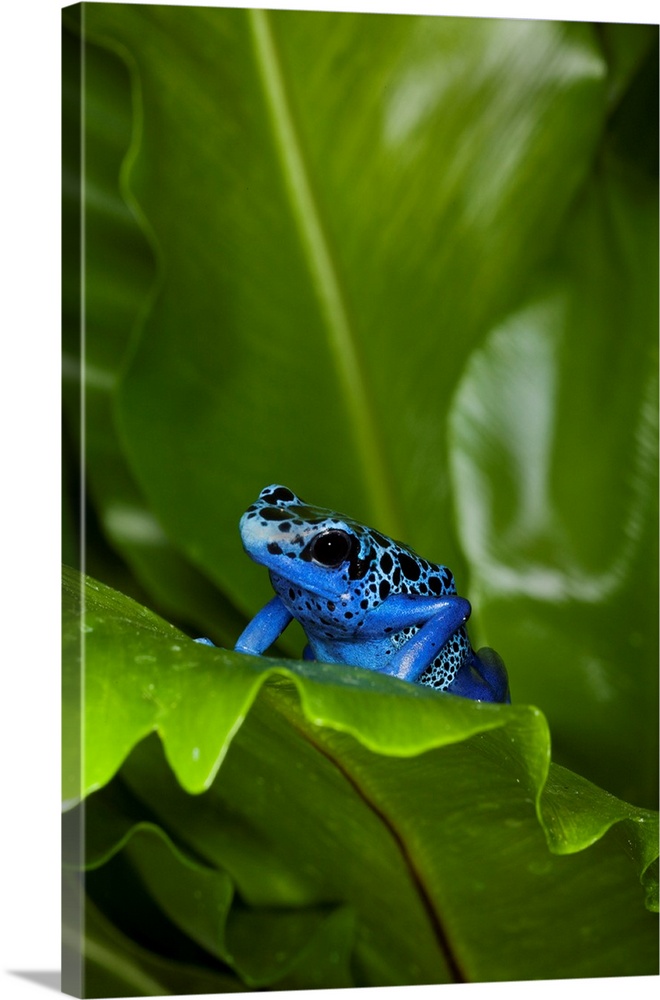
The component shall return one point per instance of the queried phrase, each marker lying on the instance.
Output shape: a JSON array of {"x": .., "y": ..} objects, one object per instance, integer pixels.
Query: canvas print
[{"x": 360, "y": 507}]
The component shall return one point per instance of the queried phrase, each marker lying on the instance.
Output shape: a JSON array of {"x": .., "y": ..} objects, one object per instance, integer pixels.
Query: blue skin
[{"x": 362, "y": 599}]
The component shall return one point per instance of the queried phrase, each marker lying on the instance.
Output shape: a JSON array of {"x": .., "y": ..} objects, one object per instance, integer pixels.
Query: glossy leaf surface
[{"x": 327, "y": 805}]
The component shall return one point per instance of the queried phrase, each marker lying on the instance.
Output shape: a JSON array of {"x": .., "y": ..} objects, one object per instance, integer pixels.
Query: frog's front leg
[
  {"x": 266, "y": 626},
  {"x": 439, "y": 618}
]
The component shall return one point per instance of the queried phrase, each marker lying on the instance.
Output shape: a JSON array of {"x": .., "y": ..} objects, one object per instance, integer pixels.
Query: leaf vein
[{"x": 341, "y": 335}]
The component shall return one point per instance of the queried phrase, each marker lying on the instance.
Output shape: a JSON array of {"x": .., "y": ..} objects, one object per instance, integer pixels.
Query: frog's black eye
[{"x": 331, "y": 548}]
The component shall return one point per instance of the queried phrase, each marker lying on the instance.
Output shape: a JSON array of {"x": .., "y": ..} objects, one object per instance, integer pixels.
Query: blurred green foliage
[{"x": 407, "y": 266}]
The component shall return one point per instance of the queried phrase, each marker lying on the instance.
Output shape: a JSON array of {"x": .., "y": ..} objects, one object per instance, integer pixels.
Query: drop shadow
[{"x": 48, "y": 979}]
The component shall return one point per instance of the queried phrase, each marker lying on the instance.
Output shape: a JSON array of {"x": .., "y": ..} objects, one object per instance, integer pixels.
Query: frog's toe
[{"x": 490, "y": 666}]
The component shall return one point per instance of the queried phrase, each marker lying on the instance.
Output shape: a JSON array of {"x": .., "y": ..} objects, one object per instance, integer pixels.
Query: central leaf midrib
[
  {"x": 324, "y": 274},
  {"x": 435, "y": 920}
]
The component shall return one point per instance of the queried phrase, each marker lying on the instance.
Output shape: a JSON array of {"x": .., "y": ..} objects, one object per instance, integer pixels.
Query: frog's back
[{"x": 399, "y": 570}]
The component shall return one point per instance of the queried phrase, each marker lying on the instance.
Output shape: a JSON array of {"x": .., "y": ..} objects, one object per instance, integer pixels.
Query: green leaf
[
  {"x": 120, "y": 278},
  {"x": 138, "y": 671},
  {"x": 295, "y": 945},
  {"x": 141, "y": 674},
  {"x": 353, "y": 271},
  {"x": 115, "y": 965},
  {"x": 561, "y": 574},
  {"x": 328, "y": 795}
]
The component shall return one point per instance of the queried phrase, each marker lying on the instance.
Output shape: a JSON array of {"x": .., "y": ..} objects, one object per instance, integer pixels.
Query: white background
[{"x": 30, "y": 329}]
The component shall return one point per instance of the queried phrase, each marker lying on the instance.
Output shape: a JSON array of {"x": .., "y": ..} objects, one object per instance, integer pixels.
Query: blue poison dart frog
[{"x": 362, "y": 599}]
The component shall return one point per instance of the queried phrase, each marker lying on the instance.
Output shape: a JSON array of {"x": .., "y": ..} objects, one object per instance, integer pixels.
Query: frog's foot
[
  {"x": 482, "y": 678},
  {"x": 204, "y": 642}
]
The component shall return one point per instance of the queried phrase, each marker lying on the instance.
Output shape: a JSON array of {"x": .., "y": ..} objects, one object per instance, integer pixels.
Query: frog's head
[{"x": 308, "y": 547}]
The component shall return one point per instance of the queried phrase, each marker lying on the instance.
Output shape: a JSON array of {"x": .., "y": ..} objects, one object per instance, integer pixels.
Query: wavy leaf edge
[
  {"x": 223, "y": 949},
  {"x": 527, "y": 724}
]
